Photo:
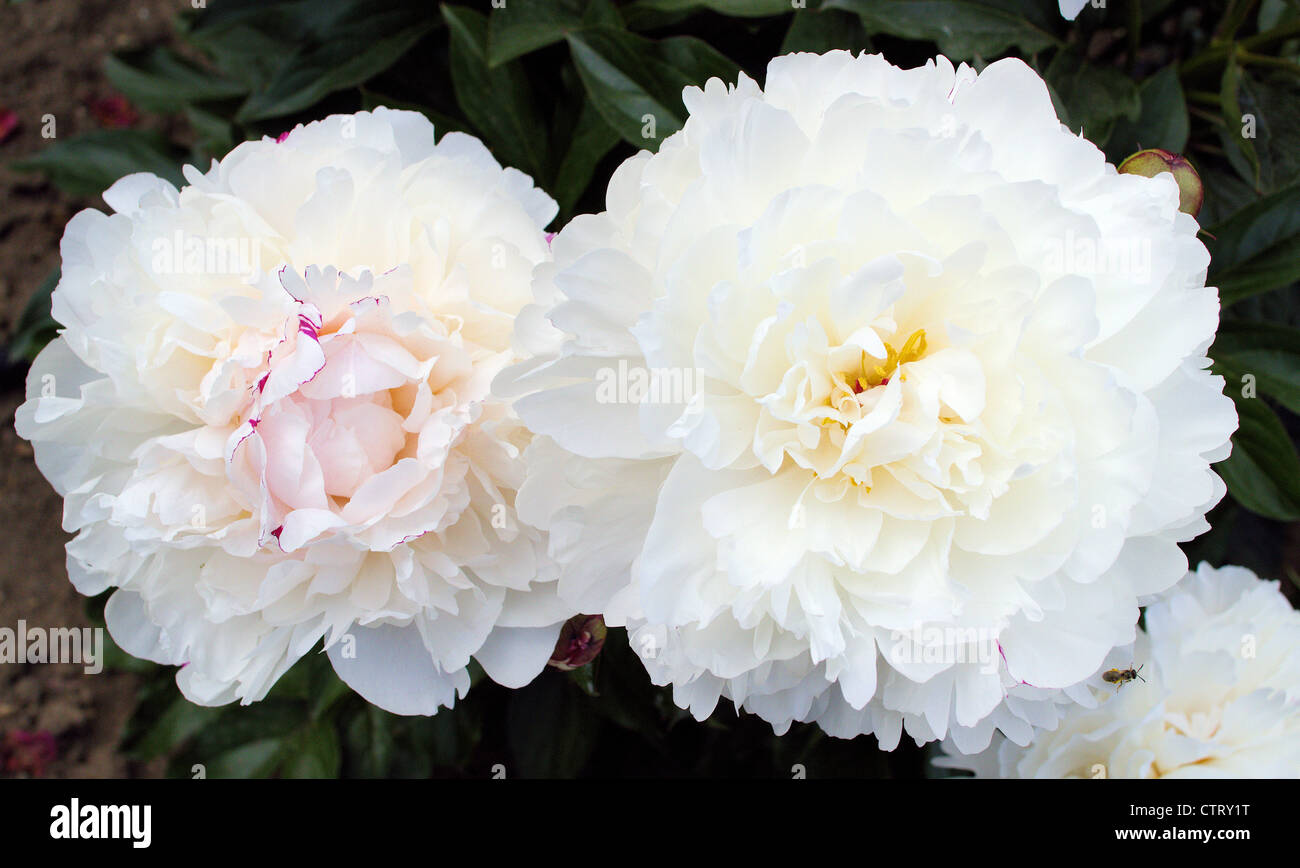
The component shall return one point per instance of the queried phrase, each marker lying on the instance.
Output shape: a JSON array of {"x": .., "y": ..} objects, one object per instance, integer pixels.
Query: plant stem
[
  {"x": 1233, "y": 19},
  {"x": 1264, "y": 60},
  {"x": 1216, "y": 54}
]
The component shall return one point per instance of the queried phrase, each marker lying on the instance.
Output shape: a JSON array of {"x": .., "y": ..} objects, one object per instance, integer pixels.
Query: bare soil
[{"x": 51, "y": 52}]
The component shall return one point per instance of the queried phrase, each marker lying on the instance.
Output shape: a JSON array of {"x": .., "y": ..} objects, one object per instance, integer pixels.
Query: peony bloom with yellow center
[
  {"x": 1216, "y": 694},
  {"x": 875, "y": 398},
  {"x": 269, "y": 414}
]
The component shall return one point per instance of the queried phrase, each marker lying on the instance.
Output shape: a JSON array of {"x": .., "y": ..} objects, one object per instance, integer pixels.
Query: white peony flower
[
  {"x": 876, "y": 398},
  {"x": 1217, "y": 694},
  {"x": 269, "y": 414},
  {"x": 1070, "y": 9}
]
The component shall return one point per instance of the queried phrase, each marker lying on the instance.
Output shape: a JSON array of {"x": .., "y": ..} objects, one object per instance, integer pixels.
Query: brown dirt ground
[{"x": 50, "y": 57}]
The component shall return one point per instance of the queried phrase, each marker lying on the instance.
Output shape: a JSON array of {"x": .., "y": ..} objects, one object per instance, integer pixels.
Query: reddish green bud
[
  {"x": 581, "y": 639},
  {"x": 1153, "y": 161}
]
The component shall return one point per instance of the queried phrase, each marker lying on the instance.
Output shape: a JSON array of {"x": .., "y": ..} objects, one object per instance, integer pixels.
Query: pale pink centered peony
[{"x": 269, "y": 414}]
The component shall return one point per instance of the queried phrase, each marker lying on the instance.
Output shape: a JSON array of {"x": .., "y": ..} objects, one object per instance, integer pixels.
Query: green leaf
[
  {"x": 1275, "y": 12},
  {"x": 246, "y": 39},
  {"x": 450, "y": 736},
  {"x": 370, "y": 743},
  {"x": 35, "y": 327},
  {"x": 636, "y": 83},
  {"x": 215, "y": 135},
  {"x": 627, "y": 699},
  {"x": 1162, "y": 123},
  {"x": 1258, "y": 248},
  {"x": 963, "y": 29},
  {"x": 88, "y": 164},
  {"x": 181, "y": 722},
  {"x": 518, "y": 28},
  {"x": 327, "y": 689},
  {"x": 1239, "y": 147},
  {"x": 734, "y": 8},
  {"x": 242, "y": 724},
  {"x": 312, "y": 752},
  {"x": 592, "y": 139},
  {"x": 367, "y": 42},
  {"x": 822, "y": 30},
  {"x": 549, "y": 728},
  {"x": 1267, "y": 351},
  {"x": 1261, "y": 136},
  {"x": 585, "y": 679},
  {"x": 256, "y": 759},
  {"x": 157, "y": 79},
  {"x": 1225, "y": 195},
  {"x": 1095, "y": 97},
  {"x": 1263, "y": 472},
  {"x": 695, "y": 60},
  {"x": 500, "y": 101}
]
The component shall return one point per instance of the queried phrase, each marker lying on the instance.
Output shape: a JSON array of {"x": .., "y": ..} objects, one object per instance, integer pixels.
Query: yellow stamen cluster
[{"x": 875, "y": 375}]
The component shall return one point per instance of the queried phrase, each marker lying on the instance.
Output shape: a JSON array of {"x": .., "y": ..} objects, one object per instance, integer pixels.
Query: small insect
[{"x": 1120, "y": 677}]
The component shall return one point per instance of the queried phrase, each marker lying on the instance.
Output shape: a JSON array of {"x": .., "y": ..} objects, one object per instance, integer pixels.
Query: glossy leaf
[
  {"x": 88, "y": 164},
  {"x": 822, "y": 30},
  {"x": 1266, "y": 351},
  {"x": 738, "y": 8},
  {"x": 370, "y": 41},
  {"x": 157, "y": 79},
  {"x": 521, "y": 27},
  {"x": 592, "y": 139},
  {"x": 963, "y": 29},
  {"x": 1263, "y": 472},
  {"x": 549, "y": 730},
  {"x": 1238, "y": 139},
  {"x": 1096, "y": 97},
  {"x": 1161, "y": 123},
  {"x": 636, "y": 83},
  {"x": 1258, "y": 248},
  {"x": 35, "y": 327},
  {"x": 499, "y": 102}
]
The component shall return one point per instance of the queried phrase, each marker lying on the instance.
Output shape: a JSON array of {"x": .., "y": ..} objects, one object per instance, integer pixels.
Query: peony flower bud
[
  {"x": 1153, "y": 161},
  {"x": 581, "y": 639}
]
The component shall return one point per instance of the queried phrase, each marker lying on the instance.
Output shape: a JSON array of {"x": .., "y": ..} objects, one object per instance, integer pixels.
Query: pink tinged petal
[
  {"x": 236, "y": 440},
  {"x": 300, "y": 366},
  {"x": 377, "y": 495},
  {"x": 291, "y": 475},
  {"x": 359, "y": 440},
  {"x": 514, "y": 656},
  {"x": 390, "y": 667},
  {"x": 351, "y": 372}
]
